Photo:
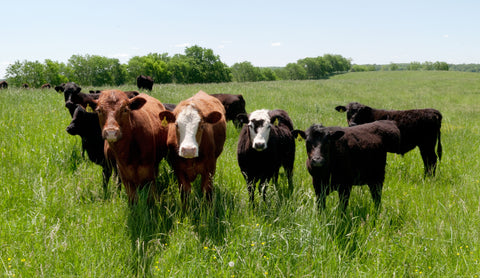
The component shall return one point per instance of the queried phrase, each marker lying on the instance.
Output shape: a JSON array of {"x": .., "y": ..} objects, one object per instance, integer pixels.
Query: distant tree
[
  {"x": 440, "y": 66},
  {"x": 414, "y": 66},
  {"x": 55, "y": 72},
  {"x": 393, "y": 67},
  {"x": 428, "y": 66},
  {"x": 245, "y": 72},
  {"x": 207, "y": 67},
  {"x": 268, "y": 74},
  {"x": 294, "y": 71}
]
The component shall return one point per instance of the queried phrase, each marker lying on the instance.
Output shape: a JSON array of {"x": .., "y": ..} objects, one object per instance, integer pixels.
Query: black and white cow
[{"x": 265, "y": 144}]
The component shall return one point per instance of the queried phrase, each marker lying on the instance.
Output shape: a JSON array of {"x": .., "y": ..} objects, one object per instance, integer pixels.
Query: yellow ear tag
[
  {"x": 299, "y": 138},
  {"x": 164, "y": 122},
  {"x": 276, "y": 122},
  {"x": 89, "y": 109}
]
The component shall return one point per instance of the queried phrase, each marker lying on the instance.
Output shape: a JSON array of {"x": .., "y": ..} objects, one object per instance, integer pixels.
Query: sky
[{"x": 262, "y": 32}]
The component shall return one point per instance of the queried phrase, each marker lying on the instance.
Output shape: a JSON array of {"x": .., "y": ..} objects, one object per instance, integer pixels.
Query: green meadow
[{"x": 56, "y": 222}]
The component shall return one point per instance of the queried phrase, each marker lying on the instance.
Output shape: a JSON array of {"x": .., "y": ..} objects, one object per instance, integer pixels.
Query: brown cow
[
  {"x": 135, "y": 136},
  {"x": 197, "y": 132},
  {"x": 46, "y": 86}
]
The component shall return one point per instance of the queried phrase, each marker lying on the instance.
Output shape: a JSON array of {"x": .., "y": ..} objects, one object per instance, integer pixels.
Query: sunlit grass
[{"x": 54, "y": 221}]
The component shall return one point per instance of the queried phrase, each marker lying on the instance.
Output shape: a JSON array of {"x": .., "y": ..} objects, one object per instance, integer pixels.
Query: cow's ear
[
  {"x": 91, "y": 103},
  {"x": 299, "y": 134},
  {"x": 166, "y": 117},
  {"x": 242, "y": 118},
  {"x": 213, "y": 117},
  {"x": 335, "y": 135},
  {"x": 136, "y": 103},
  {"x": 341, "y": 108}
]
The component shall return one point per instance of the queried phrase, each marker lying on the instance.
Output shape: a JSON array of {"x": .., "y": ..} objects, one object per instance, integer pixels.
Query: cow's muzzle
[{"x": 112, "y": 134}]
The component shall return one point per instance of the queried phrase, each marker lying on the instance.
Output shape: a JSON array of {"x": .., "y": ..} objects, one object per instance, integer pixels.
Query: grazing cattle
[
  {"x": 339, "y": 158},
  {"x": 196, "y": 135},
  {"x": 25, "y": 86},
  {"x": 46, "y": 86},
  {"x": 265, "y": 144},
  {"x": 135, "y": 136},
  {"x": 234, "y": 105},
  {"x": 144, "y": 82},
  {"x": 419, "y": 127},
  {"x": 87, "y": 126},
  {"x": 60, "y": 88},
  {"x": 3, "y": 85}
]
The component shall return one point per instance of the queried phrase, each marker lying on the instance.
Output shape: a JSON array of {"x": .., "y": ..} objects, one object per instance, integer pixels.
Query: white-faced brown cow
[
  {"x": 419, "y": 127},
  {"x": 196, "y": 135},
  {"x": 135, "y": 136}
]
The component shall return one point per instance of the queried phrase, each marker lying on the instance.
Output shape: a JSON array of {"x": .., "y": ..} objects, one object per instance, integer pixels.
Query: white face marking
[
  {"x": 187, "y": 125},
  {"x": 259, "y": 127}
]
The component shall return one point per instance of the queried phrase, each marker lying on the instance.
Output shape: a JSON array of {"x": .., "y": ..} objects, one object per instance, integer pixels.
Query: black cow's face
[
  {"x": 78, "y": 121},
  {"x": 357, "y": 113},
  {"x": 319, "y": 142}
]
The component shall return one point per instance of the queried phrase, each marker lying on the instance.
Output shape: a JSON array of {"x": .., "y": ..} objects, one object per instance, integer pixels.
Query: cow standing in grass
[
  {"x": 197, "y": 133},
  {"x": 135, "y": 136},
  {"x": 419, "y": 127},
  {"x": 339, "y": 158},
  {"x": 265, "y": 144},
  {"x": 86, "y": 125}
]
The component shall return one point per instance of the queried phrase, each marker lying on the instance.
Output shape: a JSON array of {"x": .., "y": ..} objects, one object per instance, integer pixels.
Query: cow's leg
[
  {"x": 429, "y": 159},
  {"x": 321, "y": 190},
  {"x": 344, "y": 196},
  {"x": 376, "y": 191},
  {"x": 207, "y": 185},
  {"x": 184, "y": 187},
  {"x": 106, "y": 173}
]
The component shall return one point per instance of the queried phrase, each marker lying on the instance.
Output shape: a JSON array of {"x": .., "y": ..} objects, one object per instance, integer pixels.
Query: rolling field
[{"x": 55, "y": 222}]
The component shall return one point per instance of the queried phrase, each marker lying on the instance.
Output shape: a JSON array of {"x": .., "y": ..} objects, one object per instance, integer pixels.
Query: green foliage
[{"x": 55, "y": 221}]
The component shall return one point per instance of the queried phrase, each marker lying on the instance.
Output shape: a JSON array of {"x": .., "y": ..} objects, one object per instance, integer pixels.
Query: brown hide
[
  {"x": 142, "y": 143},
  {"x": 210, "y": 141}
]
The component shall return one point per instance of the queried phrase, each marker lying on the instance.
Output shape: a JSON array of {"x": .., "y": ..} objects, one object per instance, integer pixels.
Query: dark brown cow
[
  {"x": 86, "y": 125},
  {"x": 234, "y": 105},
  {"x": 3, "y": 85},
  {"x": 46, "y": 86},
  {"x": 135, "y": 136},
  {"x": 144, "y": 82},
  {"x": 265, "y": 144},
  {"x": 196, "y": 135},
  {"x": 25, "y": 86},
  {"x": 419, "y": 127},
  {"x": 339, "y": 158},
  {"x": 60, "y": 88}
]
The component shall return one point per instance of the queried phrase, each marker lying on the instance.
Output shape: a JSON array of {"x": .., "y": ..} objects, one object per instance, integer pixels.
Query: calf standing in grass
[
  {"x": 196, "y": 135},
  {"x": 339, "y": 158},
  {"x": 86, "y": 125},
  {"x": 265, "y": 144},
  {"x": 419, "y": 127}
]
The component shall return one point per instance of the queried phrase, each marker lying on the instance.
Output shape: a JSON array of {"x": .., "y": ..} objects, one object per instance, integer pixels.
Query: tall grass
[{"x": 55, "y": 222}]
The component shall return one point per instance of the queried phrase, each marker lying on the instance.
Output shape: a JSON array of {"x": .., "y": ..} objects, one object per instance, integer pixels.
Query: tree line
[{"x": 196, "y": 65}]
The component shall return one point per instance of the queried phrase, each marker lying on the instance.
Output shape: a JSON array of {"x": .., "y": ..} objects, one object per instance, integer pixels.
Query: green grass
[{"x": 54, "y": 221}]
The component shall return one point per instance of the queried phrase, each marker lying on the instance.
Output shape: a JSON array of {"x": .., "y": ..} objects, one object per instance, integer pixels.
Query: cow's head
[
  {"x": 319, "y": 141},
  {"x": 113, "y": 108},
  {"x": 259, "y": 124},
  {"x": 185, "y": 133},
  {"x": 357, "y": 113},
  {"x": 83, "y": 122}
]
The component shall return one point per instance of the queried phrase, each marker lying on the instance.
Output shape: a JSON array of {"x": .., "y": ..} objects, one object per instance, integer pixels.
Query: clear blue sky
[{"x": 265, "y": 33}]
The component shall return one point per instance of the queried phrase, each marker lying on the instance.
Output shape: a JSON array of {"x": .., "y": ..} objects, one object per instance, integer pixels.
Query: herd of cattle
[{"x": 129, "y": 133}]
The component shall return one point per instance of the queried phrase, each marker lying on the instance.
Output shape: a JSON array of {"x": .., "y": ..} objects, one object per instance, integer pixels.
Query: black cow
[
  {"x": 3, "y": 85},
  {"x": 339, "y": 158},
  {"x": 25, "y": 86},
  {"x": 87, "y": 126},
  {"x": 60, "y": 88},
  {"x": 144, "y": 82},
  {"x": 265, "y": 144},
  {"x": 419, "y": 127},
  {"x": 234, "y": 105}
]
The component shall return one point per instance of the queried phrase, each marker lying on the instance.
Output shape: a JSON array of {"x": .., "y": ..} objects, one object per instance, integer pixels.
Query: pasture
[{"x": 55, "y": 222}]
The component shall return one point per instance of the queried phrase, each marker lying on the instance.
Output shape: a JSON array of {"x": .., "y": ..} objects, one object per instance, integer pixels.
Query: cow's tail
[{"x": 439, "y": 146}]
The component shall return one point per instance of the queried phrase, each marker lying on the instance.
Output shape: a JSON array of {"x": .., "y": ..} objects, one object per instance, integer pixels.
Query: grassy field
[{"x": 54, "y": 221}]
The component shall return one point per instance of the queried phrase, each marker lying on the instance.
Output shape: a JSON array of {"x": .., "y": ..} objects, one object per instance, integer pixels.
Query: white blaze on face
[
  {"x": 259, "y": 128},
  {"x": 187, "y": 125}
]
